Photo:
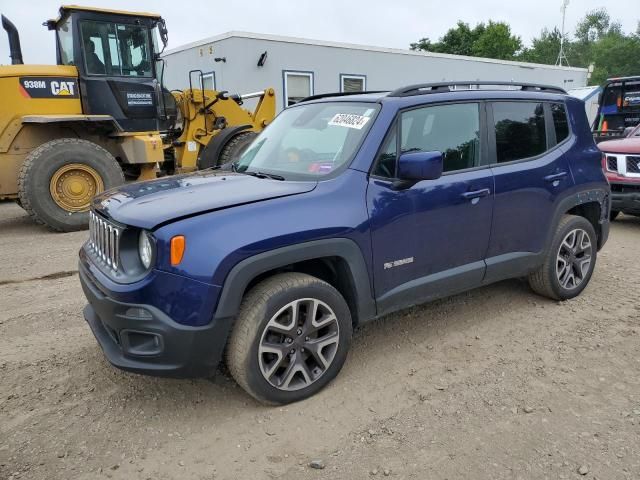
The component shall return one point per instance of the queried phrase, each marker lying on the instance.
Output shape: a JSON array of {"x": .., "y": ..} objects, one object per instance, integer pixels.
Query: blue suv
[{"x": 346, "y": 208}]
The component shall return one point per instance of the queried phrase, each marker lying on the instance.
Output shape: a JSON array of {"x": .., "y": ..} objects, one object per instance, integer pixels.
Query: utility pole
[{"x": 561, "y": 55}]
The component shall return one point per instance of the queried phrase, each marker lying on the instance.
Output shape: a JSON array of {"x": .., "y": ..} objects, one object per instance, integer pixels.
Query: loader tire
[
  {"x": 235, "y": 147},
  {"x": 58, "y": 180}
]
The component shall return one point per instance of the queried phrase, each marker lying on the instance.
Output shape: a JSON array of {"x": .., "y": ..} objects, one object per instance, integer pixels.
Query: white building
[{"x": 244, "y": 62}]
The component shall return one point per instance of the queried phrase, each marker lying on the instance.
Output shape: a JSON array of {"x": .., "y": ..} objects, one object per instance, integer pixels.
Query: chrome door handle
[
  {"x": 555, "y": 176},
  {"x": 476, "y": 194}
]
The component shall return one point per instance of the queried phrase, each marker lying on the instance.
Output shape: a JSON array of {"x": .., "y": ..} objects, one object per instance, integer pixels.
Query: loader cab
[{"x": 116, "y": 54}]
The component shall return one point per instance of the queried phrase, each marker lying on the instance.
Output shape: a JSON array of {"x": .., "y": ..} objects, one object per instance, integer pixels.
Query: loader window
[
  {"x": 116, "y": 49},
  {"x": 65, "y": 42}
]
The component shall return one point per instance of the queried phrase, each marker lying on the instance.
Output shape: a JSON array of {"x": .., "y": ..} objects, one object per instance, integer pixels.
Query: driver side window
[
  {"x": 453, "y": 129},
  {"x": 386, "y": 162}
]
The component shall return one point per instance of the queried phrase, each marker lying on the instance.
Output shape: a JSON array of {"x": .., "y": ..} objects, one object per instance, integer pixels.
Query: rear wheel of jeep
[
  {"x": 570, "y": 261},
  {"x": 291, "y": 338}
]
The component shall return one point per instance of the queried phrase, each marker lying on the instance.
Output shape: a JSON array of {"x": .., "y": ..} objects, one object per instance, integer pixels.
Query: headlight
[{"x": 145, "y": 249}]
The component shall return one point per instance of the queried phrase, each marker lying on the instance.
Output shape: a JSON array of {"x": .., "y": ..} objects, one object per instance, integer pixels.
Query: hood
[
  {"x": 630, "y": 145},
  {"x": 149, "y": 204}
]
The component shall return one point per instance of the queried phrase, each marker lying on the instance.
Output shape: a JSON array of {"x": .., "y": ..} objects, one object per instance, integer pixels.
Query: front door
[{"x": 430, "y": 240}]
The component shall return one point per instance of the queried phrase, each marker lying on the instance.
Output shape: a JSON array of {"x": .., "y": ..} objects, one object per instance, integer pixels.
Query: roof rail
[
  {"x": 339, "y": 94},
  {"x": 426, "y": 88},
  {"x": 624, "y": 79}
]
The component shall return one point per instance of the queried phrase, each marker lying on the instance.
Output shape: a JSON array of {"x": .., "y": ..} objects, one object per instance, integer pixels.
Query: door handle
[
  {"x": 555, "y": 176},
  {"x": 476, "y": 194}
]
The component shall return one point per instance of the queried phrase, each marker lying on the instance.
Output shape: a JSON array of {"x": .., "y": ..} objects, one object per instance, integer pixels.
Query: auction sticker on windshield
[{"x": 349, "y": 120}]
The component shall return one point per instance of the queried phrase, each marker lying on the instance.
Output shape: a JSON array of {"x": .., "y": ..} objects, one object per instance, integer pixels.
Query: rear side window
[
  {"x": 520, "y": 131},
  {"x": 560, "y": 121}
]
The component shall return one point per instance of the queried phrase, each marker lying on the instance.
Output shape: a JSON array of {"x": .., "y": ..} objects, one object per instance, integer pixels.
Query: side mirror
[{"x": 417, "y": 166}]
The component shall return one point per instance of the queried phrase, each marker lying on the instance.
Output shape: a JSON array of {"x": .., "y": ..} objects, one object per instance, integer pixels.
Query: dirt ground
[{"x": 496, "y": 383}]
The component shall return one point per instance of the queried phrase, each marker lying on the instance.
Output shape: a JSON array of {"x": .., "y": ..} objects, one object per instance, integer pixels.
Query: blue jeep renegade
[{"x": 346, "y": 208}]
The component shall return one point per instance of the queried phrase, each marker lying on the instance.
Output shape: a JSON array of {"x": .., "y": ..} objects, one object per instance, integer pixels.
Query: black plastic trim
[
  {"x": 431, "y": 287},
  {"x": 209, "y": 156},
  {"x": 245, "y": 271}
]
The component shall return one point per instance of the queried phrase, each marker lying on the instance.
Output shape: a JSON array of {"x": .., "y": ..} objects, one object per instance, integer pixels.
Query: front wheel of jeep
[{"x": 291, "y": 338}]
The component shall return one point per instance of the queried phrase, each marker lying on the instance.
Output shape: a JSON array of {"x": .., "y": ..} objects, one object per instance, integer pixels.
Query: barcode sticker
[{"x": 349, "y": 120}]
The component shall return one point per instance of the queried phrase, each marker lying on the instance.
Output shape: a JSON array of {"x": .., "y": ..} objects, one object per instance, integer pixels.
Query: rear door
[
  {"x": 430, "y": 240},
  {"x": 531, "y": 173}
]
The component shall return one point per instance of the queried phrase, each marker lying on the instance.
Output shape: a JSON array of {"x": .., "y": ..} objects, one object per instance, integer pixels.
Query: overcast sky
[{"x": 383, "y": 23}]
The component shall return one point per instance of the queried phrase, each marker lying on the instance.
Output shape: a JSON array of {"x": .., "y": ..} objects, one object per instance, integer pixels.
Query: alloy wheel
[
  {"x": 298, "y": 344},
  {"x": 574, "y": 259}
]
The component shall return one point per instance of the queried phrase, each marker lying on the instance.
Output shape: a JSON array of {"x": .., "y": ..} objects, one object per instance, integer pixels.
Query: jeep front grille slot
[
  {"x": 633, "y": 164},
  {"x": 104, "y": 240}
]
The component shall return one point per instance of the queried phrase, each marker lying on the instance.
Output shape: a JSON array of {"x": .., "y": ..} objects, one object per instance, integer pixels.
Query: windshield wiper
[{"x": 272, "y": 176}]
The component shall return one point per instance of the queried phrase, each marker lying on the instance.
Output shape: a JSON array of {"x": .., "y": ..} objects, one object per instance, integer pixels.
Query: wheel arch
[
  {"x": 337, "y": 261},
  {"x": 594, "y": 205},
  {"x": 212, "y": 151}
]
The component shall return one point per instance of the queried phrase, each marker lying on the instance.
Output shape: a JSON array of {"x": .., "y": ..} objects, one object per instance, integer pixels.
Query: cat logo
[
  {"x": 62, "y": 88},
  {"x": 48, "y": 87}
]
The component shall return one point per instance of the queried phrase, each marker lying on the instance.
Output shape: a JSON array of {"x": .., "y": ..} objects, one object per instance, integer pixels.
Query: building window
[
  {"x": 297, "y": 85},
  {"x": 209, "y": 81},
  {"x": 353, "y": 83}
]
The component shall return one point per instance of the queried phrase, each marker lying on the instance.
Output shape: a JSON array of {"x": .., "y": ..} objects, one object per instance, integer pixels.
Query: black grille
[
  {"x": 633, "y": 164},
  {"x": 612, "y": 164}
]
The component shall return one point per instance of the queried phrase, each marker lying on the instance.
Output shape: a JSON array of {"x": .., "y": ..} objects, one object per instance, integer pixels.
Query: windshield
[
  {"x": 116, "y": 49},
  {"x": 309, "y": 141}
]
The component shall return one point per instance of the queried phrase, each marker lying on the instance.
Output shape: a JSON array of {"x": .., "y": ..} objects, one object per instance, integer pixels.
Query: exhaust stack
[{"x": 15, "y": 52}]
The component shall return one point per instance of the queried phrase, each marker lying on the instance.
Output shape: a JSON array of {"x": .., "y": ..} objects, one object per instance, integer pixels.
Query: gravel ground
[{"x": 495, "y": 383}]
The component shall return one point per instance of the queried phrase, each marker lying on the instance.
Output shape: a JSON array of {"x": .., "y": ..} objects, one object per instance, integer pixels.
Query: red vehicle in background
[{"x": 622, "y": 167}]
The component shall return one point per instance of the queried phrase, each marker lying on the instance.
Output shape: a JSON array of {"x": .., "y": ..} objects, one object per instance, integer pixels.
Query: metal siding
[{"x": 384, "y": 70}]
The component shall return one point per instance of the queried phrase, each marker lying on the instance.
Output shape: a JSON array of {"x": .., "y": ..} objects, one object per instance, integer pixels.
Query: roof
[
  {"x": 106, "y": 10},
  {"x": 353, "y": 46},
  {"x": 585, "y": 93}
]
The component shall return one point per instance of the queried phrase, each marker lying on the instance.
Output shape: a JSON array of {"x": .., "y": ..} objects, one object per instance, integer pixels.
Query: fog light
[{"x": 139, "y": 313}]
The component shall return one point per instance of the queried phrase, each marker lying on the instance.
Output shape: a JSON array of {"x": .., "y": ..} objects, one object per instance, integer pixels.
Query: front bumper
[
  {"x": 140, "y": 338},
  {"x": 625, "y": 197}
]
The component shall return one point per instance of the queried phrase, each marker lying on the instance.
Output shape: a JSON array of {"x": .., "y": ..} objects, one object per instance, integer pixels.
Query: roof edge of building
[{"x": 355, "y": 46}]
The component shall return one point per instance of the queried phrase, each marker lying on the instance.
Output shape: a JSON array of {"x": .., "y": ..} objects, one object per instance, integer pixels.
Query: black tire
[
  {"x": 235, "y": 147},
  {"x": 613, "y": 215},
  {"x": 257, "y": 309},
  {"x": 545, "y": 280},
  {"x": 39, "y": 168}
]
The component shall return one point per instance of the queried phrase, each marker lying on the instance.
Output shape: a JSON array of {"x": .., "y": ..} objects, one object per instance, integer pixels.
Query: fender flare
[
  {"x": 212, "y": 151},
  {"x": 245, "y": 271},
  {"x": 597, "y": 194}
]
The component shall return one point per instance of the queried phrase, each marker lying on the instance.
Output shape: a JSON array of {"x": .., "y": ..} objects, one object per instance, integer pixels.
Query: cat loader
[{"x": 102, "y": 115}]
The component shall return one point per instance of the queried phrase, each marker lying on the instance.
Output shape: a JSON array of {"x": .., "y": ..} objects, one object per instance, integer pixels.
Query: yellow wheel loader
[{"x": 102, "y": 115}]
